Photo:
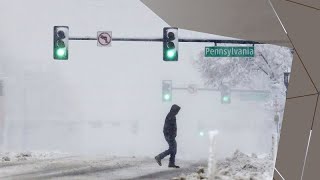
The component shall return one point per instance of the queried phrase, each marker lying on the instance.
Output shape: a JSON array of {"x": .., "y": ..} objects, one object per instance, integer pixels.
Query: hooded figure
[{"x": 170, "y": 133}]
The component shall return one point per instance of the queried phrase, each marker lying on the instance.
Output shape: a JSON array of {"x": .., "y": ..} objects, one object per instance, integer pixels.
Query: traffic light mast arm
[
  {"x": 180, "y": 40},
  {"x": 216, "y": 89}
]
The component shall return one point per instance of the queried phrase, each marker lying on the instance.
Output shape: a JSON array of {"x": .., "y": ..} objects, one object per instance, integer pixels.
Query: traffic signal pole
[{"x": 170, "y": 40}]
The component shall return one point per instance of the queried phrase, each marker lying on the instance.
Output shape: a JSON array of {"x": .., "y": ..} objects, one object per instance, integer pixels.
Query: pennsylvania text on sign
[{"x": 229, "y": 51}]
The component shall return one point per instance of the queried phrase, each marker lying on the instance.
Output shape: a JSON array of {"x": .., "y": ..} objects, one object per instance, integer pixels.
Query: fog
[{"x": 108, "y": 99}]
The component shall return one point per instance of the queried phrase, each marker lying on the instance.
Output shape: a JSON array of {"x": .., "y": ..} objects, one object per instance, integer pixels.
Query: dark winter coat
[{"x": 170, "y": 125}]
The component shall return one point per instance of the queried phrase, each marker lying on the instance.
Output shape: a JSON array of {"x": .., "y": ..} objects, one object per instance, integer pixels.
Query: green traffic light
[
  {"x": 60, "y": 42},
  {"x": 201, "y": 133},
  {"x": 171, "y": 53},
  {"x": 226, "y": 98},
  {"x": 61, "y": 52},
  {"x": 167, "y": 97}
]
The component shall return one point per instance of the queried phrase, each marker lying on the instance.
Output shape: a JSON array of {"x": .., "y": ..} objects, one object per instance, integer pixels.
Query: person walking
[{"x": 170, "y": 133}]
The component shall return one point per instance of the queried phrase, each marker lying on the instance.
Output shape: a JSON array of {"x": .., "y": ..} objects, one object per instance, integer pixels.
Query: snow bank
[
  {"x": 242, "y": 166},
  {"x": 238, "y": 167},
  {"x": 21, "y": 156}
]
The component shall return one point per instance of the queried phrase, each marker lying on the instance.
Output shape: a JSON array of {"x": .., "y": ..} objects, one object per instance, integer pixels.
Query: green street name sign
[
  {"x": 254, "y": 97},
  {"x": 229, "y": 51}
]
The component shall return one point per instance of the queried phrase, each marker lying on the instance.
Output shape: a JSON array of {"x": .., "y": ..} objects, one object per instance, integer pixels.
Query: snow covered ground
[
  {"x": 64, "y": 166},
  {"x": 55, "y": 165}
]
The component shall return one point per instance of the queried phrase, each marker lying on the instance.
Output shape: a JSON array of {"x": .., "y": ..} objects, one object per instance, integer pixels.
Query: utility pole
[
  {"x": 286, "y": 80},
  {"x": 2, "y": 113}
]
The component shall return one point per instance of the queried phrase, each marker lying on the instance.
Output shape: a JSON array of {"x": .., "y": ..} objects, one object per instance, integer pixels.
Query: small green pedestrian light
[{"x": 201, "y": 133}]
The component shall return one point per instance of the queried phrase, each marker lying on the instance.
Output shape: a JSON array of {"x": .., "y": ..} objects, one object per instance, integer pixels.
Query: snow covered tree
[{"x": 265, "y": 71}]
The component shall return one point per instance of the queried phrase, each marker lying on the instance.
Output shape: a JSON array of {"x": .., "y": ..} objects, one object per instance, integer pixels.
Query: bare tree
[{"x": 264, "y": 71}]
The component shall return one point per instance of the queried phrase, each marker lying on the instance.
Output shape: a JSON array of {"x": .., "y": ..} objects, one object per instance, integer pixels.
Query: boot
[
  {"x": 173, "y": 166},
  {"x": 157, "y": 158}
]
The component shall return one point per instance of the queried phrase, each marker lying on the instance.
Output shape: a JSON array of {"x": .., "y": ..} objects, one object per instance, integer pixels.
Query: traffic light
[
  {"x": 225, "y": 95},
  {"x": 60, "y": 42},
  {"x": 166, "y": 90},
  {"x": 201, "y": 128},
  {"x": 170, "y": 44}
]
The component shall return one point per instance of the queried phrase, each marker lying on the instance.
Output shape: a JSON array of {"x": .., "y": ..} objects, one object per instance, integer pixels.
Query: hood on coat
[{"x": 174, "y": 110}]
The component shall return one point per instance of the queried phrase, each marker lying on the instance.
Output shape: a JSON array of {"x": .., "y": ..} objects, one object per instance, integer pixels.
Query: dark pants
[{"x": 172, "y": 150}]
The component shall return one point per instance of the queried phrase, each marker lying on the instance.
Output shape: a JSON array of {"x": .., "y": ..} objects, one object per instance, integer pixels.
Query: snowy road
[{"x": 97, "y": 167}]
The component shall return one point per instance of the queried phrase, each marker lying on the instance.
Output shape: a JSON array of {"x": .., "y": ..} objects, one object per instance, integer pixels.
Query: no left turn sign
[{"x": 104, "y": 38}]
